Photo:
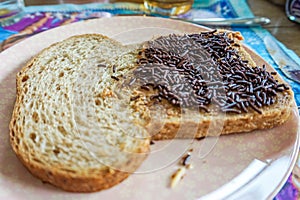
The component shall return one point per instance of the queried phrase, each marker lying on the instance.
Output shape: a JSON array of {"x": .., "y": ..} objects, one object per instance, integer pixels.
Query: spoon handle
[{"x": 252, "y": 21}]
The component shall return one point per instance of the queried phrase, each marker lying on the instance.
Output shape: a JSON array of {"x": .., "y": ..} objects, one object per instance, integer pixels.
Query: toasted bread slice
[
  {"x": 271, "y": 100},
  {"x": 68, "y": 127}
]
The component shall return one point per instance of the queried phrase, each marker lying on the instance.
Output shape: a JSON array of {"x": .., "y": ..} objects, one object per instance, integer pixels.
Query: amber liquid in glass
[{"x": 168, "y": 7}]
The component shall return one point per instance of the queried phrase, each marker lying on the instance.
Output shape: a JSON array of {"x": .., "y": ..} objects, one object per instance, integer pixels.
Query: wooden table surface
[{"x": 284, "y": 30}]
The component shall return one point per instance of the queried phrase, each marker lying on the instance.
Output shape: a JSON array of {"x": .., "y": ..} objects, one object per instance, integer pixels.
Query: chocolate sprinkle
[
  {"x": 115, "y": 78},
  {"x": 152, "y": 142},
  {"x": 197, "y": 70},
  {"x": 186, "y": 160}
]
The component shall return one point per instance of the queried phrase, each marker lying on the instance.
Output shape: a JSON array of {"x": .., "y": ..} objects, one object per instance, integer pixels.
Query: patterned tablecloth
[{"x": 41, "y": 18}]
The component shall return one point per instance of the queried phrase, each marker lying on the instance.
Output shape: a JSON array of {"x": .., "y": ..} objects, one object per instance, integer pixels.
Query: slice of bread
[
  {"x": 171, "y": 121},
  {"x": 86, "y": 107},
  {"x": 69, "y": 128}
]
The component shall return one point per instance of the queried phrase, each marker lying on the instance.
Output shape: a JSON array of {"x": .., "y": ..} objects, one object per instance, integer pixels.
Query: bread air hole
[
  {"x": 37, "y": 160},
  {"x": 97, "y": 102},
  {"x": 17, "y": 141},
  {"x": 32, "y": 137},
  {"x": 43, "y": 117},
  {"x": 56, "y": 151},
  {"x": 25, "y": 78},
  {"x": 31, "y": 104},
  {"x": 13, "y": 132},
  {"x": 62, "y": 130},
  {"x": 24, "y": 147},
  {"x": 35, "y": 117}
]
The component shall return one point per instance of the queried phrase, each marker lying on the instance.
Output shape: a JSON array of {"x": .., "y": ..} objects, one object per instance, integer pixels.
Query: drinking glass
[
  {"x": 10, "y": 8},
  {"x": 168, "y": 7}
]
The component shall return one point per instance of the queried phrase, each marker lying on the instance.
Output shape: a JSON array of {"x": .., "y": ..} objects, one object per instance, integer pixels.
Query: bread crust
[
  {"x": 230, "y": 124},
  {"x": 102, "y": 179}
]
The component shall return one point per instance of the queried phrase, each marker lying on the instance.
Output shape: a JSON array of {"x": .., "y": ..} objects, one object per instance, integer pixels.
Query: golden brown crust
[
  {"x": 231, "y": 124},
  {"x": 96, "y": 181}
]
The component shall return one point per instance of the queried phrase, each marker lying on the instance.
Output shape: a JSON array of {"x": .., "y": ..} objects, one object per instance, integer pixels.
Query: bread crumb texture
[{"x": 69, "y": 127}]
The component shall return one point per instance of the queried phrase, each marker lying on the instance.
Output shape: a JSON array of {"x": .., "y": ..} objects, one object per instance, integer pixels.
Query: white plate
[{"x": 253, "y": 165}]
